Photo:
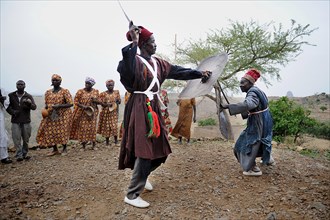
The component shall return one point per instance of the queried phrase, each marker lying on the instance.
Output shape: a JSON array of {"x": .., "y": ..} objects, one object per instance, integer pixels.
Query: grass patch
[
  {"x": 310, "y": 153},
  {"x": 327, "y": 154},
  {"x": 206, "y": 122}
]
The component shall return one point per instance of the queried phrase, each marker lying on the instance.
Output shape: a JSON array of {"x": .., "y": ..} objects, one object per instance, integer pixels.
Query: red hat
[
  {"x": 252, "y": 75},
  {"x": 143, "y": 36}
]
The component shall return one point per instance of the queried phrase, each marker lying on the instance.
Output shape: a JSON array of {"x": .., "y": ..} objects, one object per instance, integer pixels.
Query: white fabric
[
  {"x": 3, "y": 153},
  {"x": 19, "y": 96},
  {"x": 150, "y": 94},
  {"x": 3, "y": 132}
]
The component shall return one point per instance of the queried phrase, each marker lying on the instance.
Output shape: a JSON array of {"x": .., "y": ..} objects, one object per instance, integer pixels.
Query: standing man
[
  {"x": 4, "y": 102},
  {"x": 20, "y": 105},
  {"x": 256, "y": 140},
  {"x": 187, "y": 115},
  {"x": 145, "y": 144}
]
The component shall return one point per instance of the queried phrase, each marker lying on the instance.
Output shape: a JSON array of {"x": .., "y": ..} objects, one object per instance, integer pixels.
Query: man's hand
[
  {"x": 223, "y": 106},
  {"x": 206, "y": 76},
  {"x": 134, "y": 31}
]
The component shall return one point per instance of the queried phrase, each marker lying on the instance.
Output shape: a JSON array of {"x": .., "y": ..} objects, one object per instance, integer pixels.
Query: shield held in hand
[{"x": 195, "y": 88}]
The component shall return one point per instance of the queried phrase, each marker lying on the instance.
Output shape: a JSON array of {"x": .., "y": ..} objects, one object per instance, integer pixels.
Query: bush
[
  {"x": 289, "y": 119},
  {"x": 323, "y": 108},
  {"x": 320, "y": 130},
  {"x": 206, "y": 122}
]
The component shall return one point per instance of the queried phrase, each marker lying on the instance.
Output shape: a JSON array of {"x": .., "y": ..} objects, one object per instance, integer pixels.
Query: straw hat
[
  {"x": 113, "y": 107},
  {"x": 89, "y": 111},
  {"x": 44, "y": 113}
]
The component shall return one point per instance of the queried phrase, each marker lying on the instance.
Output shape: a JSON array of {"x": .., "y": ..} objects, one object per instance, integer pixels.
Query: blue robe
[{"x": 258, "y": 132}]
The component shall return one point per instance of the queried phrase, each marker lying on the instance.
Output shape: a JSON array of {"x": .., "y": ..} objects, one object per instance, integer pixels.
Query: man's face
[
  {"x": 245, "y": 85},
  {"x": 20, "y": 85},
  {"x": 150, "y": 45}
]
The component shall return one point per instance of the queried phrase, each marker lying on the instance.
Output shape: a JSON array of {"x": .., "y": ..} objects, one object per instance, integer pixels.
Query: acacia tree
[{"x": 266, "y": 47}]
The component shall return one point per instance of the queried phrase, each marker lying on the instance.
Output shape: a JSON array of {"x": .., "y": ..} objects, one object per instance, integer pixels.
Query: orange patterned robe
[
  {"x": 83, "y": 126},
  {"x": 108, "y": 122},
  {"x": 127, "y": 95},
  {"x": 54, "y": 131},
  {"x": 183, "y": 125}
]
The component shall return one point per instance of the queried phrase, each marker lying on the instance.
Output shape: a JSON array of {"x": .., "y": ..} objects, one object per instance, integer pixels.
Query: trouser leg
[
  {"x": 3, "y": 153},
  {"x": 141, "y": 171},
  {"x": 26, "y": 134},
  {"x": 17, "y": 134},
  {"x": 248, "y": 161}
]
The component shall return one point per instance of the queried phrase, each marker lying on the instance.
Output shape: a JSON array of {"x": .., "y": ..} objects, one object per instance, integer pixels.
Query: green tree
[
  {"x": 265, "y": 47},
  {"x": 289, "y": 118}
]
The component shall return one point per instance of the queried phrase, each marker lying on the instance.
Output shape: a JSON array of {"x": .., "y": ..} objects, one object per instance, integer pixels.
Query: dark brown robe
[{"x": 135, "y": 76}]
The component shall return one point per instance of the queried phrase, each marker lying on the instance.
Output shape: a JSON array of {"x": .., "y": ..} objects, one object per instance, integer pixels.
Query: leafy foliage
[
  {"x": 320, "y": 130},
  {"x": 249, "y": 45},
  {"x": 289, "y": 118},
  {"x": 323, "y": 108}
]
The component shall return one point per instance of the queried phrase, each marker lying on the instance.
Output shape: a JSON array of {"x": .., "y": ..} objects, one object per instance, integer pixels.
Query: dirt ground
[{"x": 201, "y": 180}]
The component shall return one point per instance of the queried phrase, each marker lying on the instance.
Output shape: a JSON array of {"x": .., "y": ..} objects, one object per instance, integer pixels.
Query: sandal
[{"x": 53, "y": 153}]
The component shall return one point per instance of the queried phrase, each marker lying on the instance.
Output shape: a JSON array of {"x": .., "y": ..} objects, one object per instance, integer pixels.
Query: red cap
[
  {"x": 143, "y": 36},
  {"x": 252, "y": 75}
]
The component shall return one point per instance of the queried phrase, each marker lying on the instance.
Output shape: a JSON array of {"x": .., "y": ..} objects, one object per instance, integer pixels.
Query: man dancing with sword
[{"x": 145, "y": 144}]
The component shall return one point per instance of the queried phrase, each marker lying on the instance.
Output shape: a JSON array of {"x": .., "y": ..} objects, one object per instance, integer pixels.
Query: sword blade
[{"x": 129, "y": 20}]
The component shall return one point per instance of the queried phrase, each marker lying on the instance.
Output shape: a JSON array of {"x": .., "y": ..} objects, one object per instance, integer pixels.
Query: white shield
[{"x": 195, "y": 88}]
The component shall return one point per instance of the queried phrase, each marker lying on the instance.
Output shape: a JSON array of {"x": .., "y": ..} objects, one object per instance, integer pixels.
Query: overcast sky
[{"x": 77, "y": 39}]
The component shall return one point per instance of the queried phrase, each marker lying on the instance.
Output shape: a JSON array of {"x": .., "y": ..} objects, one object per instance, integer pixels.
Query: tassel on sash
[{"x": 154, "y": 131}]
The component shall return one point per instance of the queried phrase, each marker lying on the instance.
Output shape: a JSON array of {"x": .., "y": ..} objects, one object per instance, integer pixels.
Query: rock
[
  {"x": 271, "y": 216},
  {"x": 318, "y": 205}
]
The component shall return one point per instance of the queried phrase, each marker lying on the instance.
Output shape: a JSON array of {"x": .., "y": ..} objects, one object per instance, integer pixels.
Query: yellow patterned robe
[
  {"x": 108, "y": 121},
  {"x": 83, "y": 126},
  {"x": 54, "y": 131}
]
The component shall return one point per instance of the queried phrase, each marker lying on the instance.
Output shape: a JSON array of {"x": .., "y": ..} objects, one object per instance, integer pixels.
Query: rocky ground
[{"x": 199, "y": 181}]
